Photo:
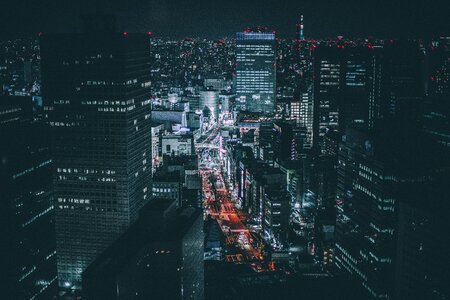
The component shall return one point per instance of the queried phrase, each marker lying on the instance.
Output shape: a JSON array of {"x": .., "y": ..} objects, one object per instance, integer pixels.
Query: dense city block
[{"x": 257, "y": 165}]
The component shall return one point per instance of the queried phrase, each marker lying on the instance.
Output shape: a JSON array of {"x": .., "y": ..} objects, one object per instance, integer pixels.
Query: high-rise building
[
  {"x": 288, "y": 141},
  {"x": 27, "y": 231},
  {"x": 437, "y": 114},
  {"x": 306, "y": 118},
  {"x": 276, "y": 213},
  {"x": 255, "y": 72},
  {"x": 341, "y": 86},
  {"x": 403, "y": 82},
  {"x": 378, "y": 172},
  {"x": 158, "y": 257},
  {"x": 422, "y": 246},
  {"x": 96, "y": 90}
]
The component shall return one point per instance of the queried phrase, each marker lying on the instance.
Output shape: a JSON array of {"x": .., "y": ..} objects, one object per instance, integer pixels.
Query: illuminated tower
[
  {"x": 299, "y": 33},
  {"x": 255, "y": 71}
]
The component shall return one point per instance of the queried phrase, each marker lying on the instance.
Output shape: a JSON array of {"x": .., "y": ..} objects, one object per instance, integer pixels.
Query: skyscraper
[
  {"x": 27, "y": 231},
  {"x": 159, "y": 257},
  {"x": 327, "y": 83},
  {"x": 341, "y": 86},
  {"x": 96, "y": 88},
  {"x": 403, "y": 81},
  {"x": 380, "y": 173},
  {"x": 255, "y": 72},
  {"x": 306, "y": 118},
  {"x": 437, "y": 113}
]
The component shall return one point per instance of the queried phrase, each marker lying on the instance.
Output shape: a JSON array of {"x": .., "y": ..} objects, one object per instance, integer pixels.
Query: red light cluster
[{"x": 125, "y": 33}]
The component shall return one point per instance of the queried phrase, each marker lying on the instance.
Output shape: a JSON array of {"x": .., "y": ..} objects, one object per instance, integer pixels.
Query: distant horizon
[
  {"x": 176, "y": 19},
  {"x": 155, "y": 35}
]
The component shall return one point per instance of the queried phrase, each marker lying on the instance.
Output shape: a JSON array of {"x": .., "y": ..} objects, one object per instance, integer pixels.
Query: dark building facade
[
  {"x": 27, "y": 234},
  {"x": 378, "y": 174},
  {"x": 362, "y": 85},
  {"x": 276, "y": 213},
  {"x": 341, "y": 86},
  {"x": 159, "y": 257},
  {"x": 436, "y": 119},
  {"x": 255, "y": 72},
  {"x": 96, "y": 91},
  {"x": 167, "y": 185}
]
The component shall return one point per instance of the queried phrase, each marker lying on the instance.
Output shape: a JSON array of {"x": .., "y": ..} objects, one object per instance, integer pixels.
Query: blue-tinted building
[{"x": 255, "y": 72}]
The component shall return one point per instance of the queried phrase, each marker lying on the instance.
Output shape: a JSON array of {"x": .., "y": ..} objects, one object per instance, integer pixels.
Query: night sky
[{"x": 180, "y": 18}]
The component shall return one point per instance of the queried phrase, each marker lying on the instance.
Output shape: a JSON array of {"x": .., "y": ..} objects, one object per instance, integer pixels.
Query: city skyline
[
  {"x": 138, "y": 161},
  {"x": 215, "y": 19}
]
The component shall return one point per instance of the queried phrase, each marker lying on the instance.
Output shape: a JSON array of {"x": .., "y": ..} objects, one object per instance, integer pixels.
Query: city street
[{"x": 243, "y": 244}]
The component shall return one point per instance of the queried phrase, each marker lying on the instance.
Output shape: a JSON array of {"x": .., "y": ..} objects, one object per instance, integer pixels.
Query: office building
[
  {"x": 341, "y": 86},
  {"x": 159, "y": 257},
  {"x": 255, "y": 72},
  {"x": 403, "y": 64},
  {"x": 306, "y": 118},
  {"x": 167, "y": 185},
  {"x": 378, "y": 173},
  {"x": 436, "y": 118},
  {"x": 422, "y": 246},
  {"x": 276, "y": 214},
  {"x": 27, "y": 234},
  {"x": 96, "y": 92}
]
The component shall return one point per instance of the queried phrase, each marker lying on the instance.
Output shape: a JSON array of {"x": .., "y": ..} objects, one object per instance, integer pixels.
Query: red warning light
[
  {"x": 149, "y": 33},
  {"x": 125, "y": 33}
]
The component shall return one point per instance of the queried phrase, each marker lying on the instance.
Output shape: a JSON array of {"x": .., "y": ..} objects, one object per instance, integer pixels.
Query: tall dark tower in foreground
[
  {"x": 255, "y": 71},
  {"x": 390, "y": 199},
  {"x": 27, "y": 232},
  {"x": 96, "y": 88}
]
